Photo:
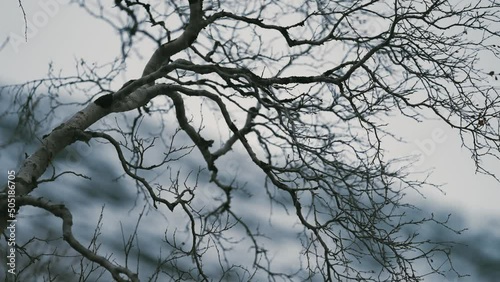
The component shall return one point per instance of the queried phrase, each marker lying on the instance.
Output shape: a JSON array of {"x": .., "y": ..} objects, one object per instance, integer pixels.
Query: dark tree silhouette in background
[{"x": 298, "y": 93}]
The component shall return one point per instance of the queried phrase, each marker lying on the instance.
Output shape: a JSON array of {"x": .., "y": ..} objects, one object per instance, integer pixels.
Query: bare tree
[{"x": 303, "y": 89}]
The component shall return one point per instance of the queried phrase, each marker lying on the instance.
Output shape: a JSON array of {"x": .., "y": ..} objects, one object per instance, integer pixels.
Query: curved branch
[
  {"x": 124, "y": 164},
  {"x": 62, "y": 212},
  {"x": 162, "y": 55}
]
